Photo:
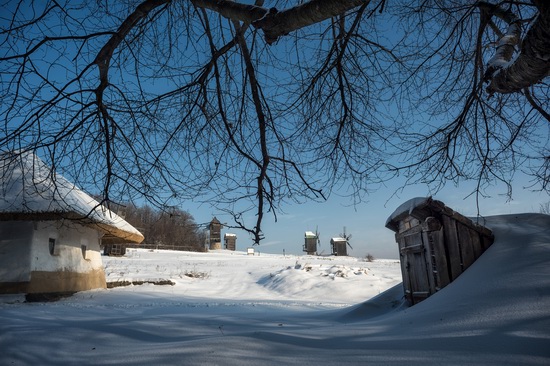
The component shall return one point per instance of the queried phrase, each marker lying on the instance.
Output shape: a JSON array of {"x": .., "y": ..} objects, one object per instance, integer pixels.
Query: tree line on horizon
[{"x": 176, "y": 229}]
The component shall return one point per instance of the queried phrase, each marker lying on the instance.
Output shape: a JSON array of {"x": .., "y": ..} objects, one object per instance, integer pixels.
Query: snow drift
[{"x": 496, "y": 313}]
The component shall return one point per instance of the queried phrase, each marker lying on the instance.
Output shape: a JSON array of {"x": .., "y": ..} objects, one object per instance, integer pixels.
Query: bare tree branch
[
  {"x": 244, "y": 107},
  {"x": 277, "y": 23},
  {"x": 532, "y": 63}
]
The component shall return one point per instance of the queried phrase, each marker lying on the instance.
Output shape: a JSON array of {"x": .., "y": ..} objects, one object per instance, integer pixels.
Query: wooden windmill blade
[
  {"x": 318, "y": 235},
  {"x": 347, "y": 237},
  {"x": 347, "y": 242}
]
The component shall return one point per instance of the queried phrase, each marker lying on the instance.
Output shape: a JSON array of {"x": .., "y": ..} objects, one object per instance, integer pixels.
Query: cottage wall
[
  {"x": 15, "y": 259},
  {"x": 75, "y": 264},
  {"x": 27, "y": 266}
]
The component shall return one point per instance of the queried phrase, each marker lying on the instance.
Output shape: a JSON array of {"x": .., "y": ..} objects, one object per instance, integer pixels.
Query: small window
[
  {"x": 52, "y": 246},
  {"x": 83, "y": 248}
]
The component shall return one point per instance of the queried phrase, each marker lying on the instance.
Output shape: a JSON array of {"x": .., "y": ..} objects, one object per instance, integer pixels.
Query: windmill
[
  {"x": 340, "y": 244},
  {"x": 311, "y": 240}
]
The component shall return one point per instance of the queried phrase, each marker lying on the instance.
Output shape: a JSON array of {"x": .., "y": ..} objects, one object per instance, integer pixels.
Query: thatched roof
[{"x": 30, "y": 190}]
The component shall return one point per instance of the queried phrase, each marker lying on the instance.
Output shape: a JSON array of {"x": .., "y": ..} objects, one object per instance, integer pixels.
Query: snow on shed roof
[
  {"x": 29, "y": 190},
  {"x": 407, "y": 208},
  {"x": 310, "y": 234}
]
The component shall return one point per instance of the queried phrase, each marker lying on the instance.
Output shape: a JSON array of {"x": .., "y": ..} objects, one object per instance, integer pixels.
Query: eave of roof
[{"x": 29, "y": 190}]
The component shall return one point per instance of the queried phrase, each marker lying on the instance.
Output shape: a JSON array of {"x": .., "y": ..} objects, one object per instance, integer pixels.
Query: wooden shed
[
  {"x": 51, "y": 231},
  {"x": 436, "y": 244},
  {"x": 230, "y": 241}
]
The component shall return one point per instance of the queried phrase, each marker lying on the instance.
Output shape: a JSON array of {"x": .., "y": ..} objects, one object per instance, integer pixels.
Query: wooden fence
[{"x": 120, "y": 249}]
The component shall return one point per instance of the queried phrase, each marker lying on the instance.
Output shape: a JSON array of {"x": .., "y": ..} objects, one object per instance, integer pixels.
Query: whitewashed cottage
[{"x": 51, "y": 231}]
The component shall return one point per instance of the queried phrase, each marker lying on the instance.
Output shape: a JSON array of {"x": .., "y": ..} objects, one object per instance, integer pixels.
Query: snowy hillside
[
  {"x": 236, "y": 276},
  {"x": 228, "y": 308}
]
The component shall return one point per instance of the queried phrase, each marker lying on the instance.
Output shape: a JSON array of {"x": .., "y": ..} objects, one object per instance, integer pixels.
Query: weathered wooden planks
[{"x": 436, "y": 245}]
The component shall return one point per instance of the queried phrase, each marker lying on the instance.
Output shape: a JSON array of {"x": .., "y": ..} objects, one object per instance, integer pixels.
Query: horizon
[{"x": 366, "y": 221}]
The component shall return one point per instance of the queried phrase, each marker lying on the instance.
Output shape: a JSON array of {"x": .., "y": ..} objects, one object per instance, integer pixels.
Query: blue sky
[{"x": 365, "y": 222}]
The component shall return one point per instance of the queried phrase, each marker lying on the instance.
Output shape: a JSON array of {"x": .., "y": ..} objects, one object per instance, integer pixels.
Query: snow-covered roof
[
  {"x": 422, "y": 207},
  {"x": 407, "y": 208},
  {"x": 29, "y": 189},
  {"x": 338, "y": 239},
  {"x": 310, "y": 234},
  {"x": 230, "y": 234}
]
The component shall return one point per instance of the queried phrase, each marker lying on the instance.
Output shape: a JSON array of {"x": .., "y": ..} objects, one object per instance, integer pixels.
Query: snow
[
  {"x": 27, "y": 185},
  {"x": 407, "y": 207},
  {"x": 230, "y": 308}
]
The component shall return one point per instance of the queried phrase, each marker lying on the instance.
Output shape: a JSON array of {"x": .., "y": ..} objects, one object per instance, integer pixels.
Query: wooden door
[{"x": 415, "y": 265}]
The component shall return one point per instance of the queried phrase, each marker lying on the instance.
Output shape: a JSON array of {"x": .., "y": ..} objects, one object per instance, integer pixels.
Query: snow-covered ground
[
  {"x": 229, "y": 308},
  {"x": 266, "y": 278}
]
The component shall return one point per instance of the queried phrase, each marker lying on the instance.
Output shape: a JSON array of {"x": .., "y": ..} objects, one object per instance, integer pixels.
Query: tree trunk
[
  {"x": 533, "y": 62},
  {"x": 277, "y": 23}
]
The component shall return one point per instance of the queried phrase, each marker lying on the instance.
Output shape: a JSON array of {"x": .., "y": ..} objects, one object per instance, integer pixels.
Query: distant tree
[
  {"x": 545, "y": 208},
  {"x": 175, "y": 228},
  {"x": 248, "y": 106}
]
